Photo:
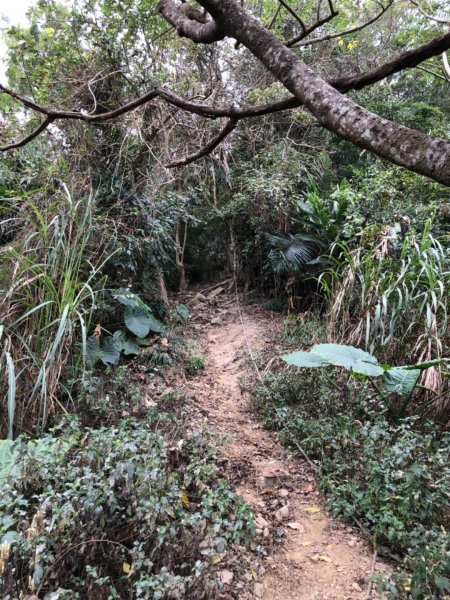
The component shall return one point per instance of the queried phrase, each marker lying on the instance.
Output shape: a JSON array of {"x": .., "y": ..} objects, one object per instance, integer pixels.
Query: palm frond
[{"x": 290, "y": 254}]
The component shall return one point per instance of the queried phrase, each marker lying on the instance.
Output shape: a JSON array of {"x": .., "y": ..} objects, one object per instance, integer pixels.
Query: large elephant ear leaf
[
  {"x": 155, "y": 325},
  {"x": 401, "y": 381},
  {"x": 140, "y": 321},
  {"x": 305, "y": 359},
  {"x": 124, "y": 344},
  {"x": 350, "y": 358},
  {"x": 93, "y": 351},
  {"x": 323, "y": 355},
  {"x": 137, "y": 319},
  {"x": 110, "y": 351}
]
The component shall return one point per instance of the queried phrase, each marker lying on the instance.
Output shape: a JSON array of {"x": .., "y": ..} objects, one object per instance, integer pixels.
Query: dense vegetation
[{"x": 96, "y": 233}]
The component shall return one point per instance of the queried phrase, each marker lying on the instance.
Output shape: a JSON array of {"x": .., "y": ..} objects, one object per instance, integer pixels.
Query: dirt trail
[{"x": 310, "y": 556}]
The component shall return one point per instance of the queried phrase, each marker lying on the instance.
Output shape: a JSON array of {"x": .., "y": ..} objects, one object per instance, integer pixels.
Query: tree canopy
[{"x": 122, "y": 57}]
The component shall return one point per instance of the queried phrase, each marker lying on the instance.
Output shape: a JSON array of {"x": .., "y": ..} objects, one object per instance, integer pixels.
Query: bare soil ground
[{"x": 309, "y": 556}]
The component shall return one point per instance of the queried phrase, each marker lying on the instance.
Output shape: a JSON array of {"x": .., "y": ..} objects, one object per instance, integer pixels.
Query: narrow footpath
[{"x": 309, "y": 556}]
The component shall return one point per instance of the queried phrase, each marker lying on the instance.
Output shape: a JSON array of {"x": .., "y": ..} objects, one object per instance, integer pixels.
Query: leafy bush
[
  {"x": 138, "y": 319},
  {"x": 103, "y": 398},
  {"x": 394, "y": 478},
  {"x": 116, "y": 512},
  {"x": 195, "y": 364},
  {"x": 319, "y": 222}
]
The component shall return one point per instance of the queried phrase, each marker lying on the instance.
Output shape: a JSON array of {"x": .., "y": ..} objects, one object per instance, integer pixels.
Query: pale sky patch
[{"x": 12, "y": 12}]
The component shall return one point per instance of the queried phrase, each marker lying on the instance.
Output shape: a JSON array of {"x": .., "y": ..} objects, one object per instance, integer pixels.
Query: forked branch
[
  {"x": 297, "y": 43},
  {"x": 406, "y": 60},
  {"x": 306, "y": 31},
  {"x": 207, "y": 149}
]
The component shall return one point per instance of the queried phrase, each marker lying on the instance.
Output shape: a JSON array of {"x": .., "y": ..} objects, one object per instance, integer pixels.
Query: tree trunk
[
  {"x": 401, "y": 145},
  {"x": 179, "y": 255},
  {"x": 162, "y": 288}
]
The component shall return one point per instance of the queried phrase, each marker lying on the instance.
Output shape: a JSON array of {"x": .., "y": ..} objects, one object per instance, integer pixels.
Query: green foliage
[
  {"x": 290, "y": 254},
  {"x": 321, "y": 224},
  {"x": 48, "y": 291},
  {"x": 183, "y": 312},
  {"x": 398, "y": 380},
  {"x": 115, "y": 510},
  {"x": 103, "y": 398},
  {"x": 393, "y": 478},
  {"x": 137, "y": 317},
  {"x": 195, "y": 364},
  {"x": 324, "y": 355}
]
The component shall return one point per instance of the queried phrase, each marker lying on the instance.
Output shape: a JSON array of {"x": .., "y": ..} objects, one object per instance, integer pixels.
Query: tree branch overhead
[{"x": 325, "y": 100}]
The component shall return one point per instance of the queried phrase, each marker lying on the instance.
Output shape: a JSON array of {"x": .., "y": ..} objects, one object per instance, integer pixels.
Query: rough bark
[
  {"x": 197, "y": 31},
  {"x": 398, "y": 144}
]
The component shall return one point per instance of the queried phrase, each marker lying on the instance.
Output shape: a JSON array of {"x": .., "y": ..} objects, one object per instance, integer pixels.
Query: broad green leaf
[
  {"x": 443, "y": 583},
  {"x": 124, "y": 344},
  {"x": 93, "y": 351},
  {"x": 349, "y": 357},
  {"x": 110, "y": 353},
  {"x": 155, "y": 325},
  {"x": 305, "y": 359},
  {"x": 183, "y": 311},
  {"x": 127, "y": 298},
  {"x": 137, "y": 319},
  {"x": 400, "y": 380},
  {"x": 130, "y": 347}
]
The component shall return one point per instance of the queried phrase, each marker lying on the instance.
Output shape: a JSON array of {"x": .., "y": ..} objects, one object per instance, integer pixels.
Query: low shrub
[
  {"x": 122, "y": 511},
  {"x": 195, "y": 364},
  {"x": 103, "y": 397},
  {"x": 394, "y": 478}
]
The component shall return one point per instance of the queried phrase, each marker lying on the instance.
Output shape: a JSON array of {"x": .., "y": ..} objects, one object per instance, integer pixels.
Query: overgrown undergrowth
[
  {"x": 394, "y": 478},
  {"x": 131, "y": 510}
]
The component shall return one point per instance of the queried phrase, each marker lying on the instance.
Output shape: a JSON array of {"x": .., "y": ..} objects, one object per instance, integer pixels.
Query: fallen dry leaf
[
  {"x": 184, "y": 498},
  {"x": 325, "y": 559},
  {"x": 226, "y": 577}
]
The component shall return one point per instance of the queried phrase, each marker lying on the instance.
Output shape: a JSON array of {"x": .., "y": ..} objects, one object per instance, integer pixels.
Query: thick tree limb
[
  {"x": 200, "y": 33},
  {"x": 407, "y": 60},
  {"x": 400, "y": 145},
  {"x": 393, "y": 142},
  {"x": 207, "y": 149}
]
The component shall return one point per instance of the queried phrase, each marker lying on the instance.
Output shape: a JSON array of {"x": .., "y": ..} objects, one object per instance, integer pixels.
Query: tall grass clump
[
  {"x": 50, "y": 276},
  {"x": 391, "y": 297}
]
